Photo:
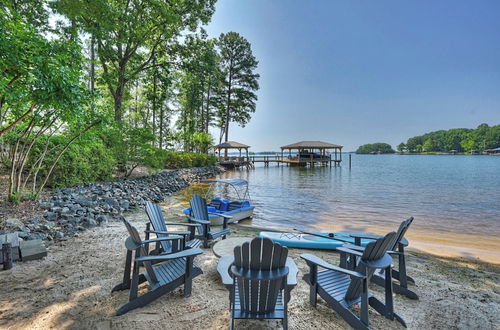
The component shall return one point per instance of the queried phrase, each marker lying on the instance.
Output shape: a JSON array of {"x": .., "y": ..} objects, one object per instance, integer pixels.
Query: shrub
[
  {"x": 86, "y": 160},
  {"x": 188, "y": 159}
]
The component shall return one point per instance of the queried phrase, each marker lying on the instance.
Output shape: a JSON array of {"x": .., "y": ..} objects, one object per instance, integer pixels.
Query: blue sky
[{"x": 356, "y": 72}]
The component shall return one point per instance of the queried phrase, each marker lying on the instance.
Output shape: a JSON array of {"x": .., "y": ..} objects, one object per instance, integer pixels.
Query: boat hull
[{"x": 305, "y": 241}]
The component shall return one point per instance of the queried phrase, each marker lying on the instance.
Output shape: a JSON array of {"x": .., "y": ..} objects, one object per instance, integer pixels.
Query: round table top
[{"x": 226, "y": 246}]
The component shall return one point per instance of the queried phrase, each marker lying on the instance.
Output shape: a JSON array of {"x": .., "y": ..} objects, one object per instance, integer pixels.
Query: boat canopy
[{"x": 232, "y": 182}]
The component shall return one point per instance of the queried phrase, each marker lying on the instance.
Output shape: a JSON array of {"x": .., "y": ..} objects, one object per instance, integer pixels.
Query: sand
[{"x": 71, "y": 289}]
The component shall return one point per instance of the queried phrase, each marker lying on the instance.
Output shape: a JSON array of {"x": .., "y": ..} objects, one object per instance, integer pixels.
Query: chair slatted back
[
  {"x": 373, "y": 251},
  {"x": 403, "y": 227},
  {"x": 136, "y": 238},
  {"x": 155, "y": 216},
  {"x": 199, "y": 207},
  {"x": 260, "y": 296}
]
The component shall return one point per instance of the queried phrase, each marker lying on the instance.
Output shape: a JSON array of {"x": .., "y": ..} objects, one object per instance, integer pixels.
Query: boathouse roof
[
  {"x": 312, "y": 145},
  {"x": 231, "y": 145}
]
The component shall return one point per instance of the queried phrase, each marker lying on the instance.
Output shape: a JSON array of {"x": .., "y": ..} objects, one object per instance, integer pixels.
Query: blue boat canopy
[{"x": 233, "y": 182}]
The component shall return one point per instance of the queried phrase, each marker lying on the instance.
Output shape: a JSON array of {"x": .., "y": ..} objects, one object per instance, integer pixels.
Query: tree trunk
[
  {"x": 120, "y": 89},
  {"x": 154, "y": 104},
  {"x": 161, "y": 126},
  {"x": 228, "y": 112},
  {"x": 207, "y": 110},
  {"x": 92, "y": 63}
]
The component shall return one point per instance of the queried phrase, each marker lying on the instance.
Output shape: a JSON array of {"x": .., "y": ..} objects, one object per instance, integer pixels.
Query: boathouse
[
  {"x": 232, "y": 161},
  {"x": 312, "y": 153}
]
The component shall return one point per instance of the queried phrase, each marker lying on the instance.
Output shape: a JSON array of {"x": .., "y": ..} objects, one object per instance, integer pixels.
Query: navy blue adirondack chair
[
  {"x": 396, "y": 248},
  {"x": 259, "y": 288},
  {"x": 164, "y": 273},
  {"x": 342, "y": 288},
  {"x": 200, "y": 215},
  {"x": 160, "y": 229}
]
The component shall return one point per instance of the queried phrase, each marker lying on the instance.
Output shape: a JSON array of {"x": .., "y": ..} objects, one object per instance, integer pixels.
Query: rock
[
  {"x": 111, "y": 202},
  {"x": 14, "y": 225},
  {"x": 91, "y": 222},
  {"x": 34, "y": 227},
  {"x": 51, "y": 216},
  {"x": 125, "y": 204},
  {"x": 65, "y": 210},
  {"x": 46, "y": 227},
  {"x": 102, "y": 218},
  {"x": 59, "y": 235},
  {"x": 37, "y": 236},
  {"x": 46, "y": 205},
  {"x": 35, "y": 220}
]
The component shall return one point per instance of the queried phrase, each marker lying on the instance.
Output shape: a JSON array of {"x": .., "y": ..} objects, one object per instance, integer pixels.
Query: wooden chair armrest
[
  {"x": 250, "y": 274},
  {"x": 182, "y": 224},
  {"x": 292, "y": 272},
  {"x": 222, "y": 215},
  {"x": 223, "y": 270},
  {"x": 404, "y": 242},
  {"x": 161, "y": 239},
  {"x": 354, "y": 247},
  {"x": 366, "y": 236},
  {"x": 312, "y": 259},
  {"x": 350, "y": 251},
  {"x": 176, "y": 255},
  {"x": 200, "y": 221}
]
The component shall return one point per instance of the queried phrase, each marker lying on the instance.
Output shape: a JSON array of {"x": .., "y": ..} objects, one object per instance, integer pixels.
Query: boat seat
[
  {"x": 235, "y": 205},
  {"x": 224, "y": 206}
]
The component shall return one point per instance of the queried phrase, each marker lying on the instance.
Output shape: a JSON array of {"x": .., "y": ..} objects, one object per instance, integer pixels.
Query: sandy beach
[{"x": 71, "y": 289}]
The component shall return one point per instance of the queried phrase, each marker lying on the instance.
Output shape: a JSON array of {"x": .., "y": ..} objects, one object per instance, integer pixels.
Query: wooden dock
[
  {"x": 305, "y": 153},
  {"x": 250, "y": 161}
]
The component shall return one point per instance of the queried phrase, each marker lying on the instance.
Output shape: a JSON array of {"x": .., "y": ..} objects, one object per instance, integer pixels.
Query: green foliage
[
  {"x": 459, "y": 139},
  {"x": 129, "y": 145},
  {"x": 86, "y": 160},
  {"x": 241, "y": 81},
  {"x": 188, "y": 159},
  {"x": 372, "y": 148},
  {"x": 401, "y": 147},
  {"x": 130, "y": 34}
]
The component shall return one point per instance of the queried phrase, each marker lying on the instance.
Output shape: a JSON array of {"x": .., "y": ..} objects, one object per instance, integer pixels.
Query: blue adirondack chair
[
  {"x": 157, "y": 221},
  {"x": 396, "y": 248},
  {"x": 200, "y": 215},
  {"x": 260, "y": 289},
  {"x": 169, "y": 271},
  {"x": 342, "y": 288}
]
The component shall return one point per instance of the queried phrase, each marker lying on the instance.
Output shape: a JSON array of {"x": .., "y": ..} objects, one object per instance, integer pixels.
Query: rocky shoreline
[{"x": 68, "y": 211}]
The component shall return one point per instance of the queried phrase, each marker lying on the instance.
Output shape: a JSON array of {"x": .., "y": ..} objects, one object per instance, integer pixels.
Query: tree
[
  {"x": 401, "y": 147},
  {"x": 240, "y": 81},
  {"x": 41, "y": 94},
  {"x": 375, "y": 148},
  {"x": 427, "y": 146},
  {"x": 129, "y": 34}
]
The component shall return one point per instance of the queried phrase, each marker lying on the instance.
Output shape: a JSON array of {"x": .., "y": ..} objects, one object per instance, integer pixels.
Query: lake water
[{"x": 455, "y": 199}]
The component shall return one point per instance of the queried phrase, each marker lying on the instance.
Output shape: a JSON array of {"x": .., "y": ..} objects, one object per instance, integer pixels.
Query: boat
[
  {"x": 315, "y": 241},
  {"x": 239, "y": 209}
]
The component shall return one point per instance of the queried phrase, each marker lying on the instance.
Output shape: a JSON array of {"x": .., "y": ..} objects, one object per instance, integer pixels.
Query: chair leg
[
  {"x": 364, "y": 303},
  {"x": 388, "y": 294},
  {"x": 313, "y": 286},
  {"x": 126, "y": 274},
  {"x": 188, "y": 281}
]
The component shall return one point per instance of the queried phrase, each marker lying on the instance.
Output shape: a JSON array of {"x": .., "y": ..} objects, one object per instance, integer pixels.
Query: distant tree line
[
  {"x": 375, "y": 148},
  {"x": 458, "y": 139}
]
